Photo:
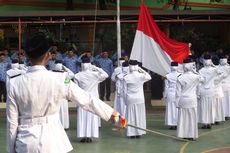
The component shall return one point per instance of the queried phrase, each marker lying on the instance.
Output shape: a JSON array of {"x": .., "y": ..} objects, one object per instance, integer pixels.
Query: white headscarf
[
  {"x": 133, "y": 68},
  {"x": 85, "y": 66},
  {"x": 223, "y": 61}
]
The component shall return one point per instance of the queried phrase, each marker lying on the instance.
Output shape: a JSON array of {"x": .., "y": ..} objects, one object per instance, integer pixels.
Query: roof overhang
[{"x": 58, "y": 17}]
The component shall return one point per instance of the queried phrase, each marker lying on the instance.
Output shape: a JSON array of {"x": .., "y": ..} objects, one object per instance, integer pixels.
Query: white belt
[{"x": 38, "y": 120}]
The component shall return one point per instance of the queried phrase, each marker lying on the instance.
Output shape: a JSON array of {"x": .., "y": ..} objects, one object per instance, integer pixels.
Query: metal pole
[
  {"x": 19, "y": 34},
  {"x": 118, "y": 32}
]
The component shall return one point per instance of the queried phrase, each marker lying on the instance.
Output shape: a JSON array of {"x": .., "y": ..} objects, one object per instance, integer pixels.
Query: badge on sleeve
[{"x": 67, "y": 80}]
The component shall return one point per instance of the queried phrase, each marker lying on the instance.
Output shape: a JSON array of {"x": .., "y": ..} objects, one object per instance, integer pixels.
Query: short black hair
[{"x": 37, "y": 45}]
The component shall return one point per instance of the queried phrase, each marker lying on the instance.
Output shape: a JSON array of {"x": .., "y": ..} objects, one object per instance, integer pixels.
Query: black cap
[
  {"x": 15, "y": 61},
  {"x": 187, "y": 60},
  {"x": 121, "y": 58},
  {"x": 207, "y": 56},
  {"x": 85, "y": 60},
  {"x": 37, "y": 45},
  {"x": 125, "y": 64},
  {"x": 174, "y": 64},
  {"x": 58, "y": 62},
  {"x": 133, "y": 62}
]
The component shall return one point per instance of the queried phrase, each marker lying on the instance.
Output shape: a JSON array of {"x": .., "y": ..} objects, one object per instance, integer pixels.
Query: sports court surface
[{"x": 112, "y": 140}]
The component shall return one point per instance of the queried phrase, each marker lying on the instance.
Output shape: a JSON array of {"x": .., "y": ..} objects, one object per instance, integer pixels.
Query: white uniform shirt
[
  {"x": 186, "y": 90},
  {"x": 170, "y": 85},
  {"x": 134, "y": 81},
  {"x": 37, "y": 94}
]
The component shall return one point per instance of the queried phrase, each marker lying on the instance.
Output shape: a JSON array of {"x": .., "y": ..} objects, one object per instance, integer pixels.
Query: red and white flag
[{"x": 153, "y": 48}]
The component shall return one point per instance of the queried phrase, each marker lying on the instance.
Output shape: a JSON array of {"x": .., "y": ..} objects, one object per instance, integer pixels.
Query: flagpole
[{"x": 118, "y": 32}]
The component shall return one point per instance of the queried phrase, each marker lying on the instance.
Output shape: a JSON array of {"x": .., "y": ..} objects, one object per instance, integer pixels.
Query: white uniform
[
  {"x": 135, "y": 101},
  {"x": 224, "y": 67},
  {"x": 187, "y": 103},
  {"x": 88, "y": 79},
  {"x": 171, "y": 113},
  {"x": 219, "y": 106},
  {"x": 206, "y": 101},
  {"x": 34, "y": 100},
  {"x": 64, "y": 109},
  {"x": 119, "y": 101}
]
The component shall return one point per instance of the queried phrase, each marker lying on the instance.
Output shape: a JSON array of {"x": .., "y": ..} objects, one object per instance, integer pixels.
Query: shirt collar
[{"x": 36, "y": 68}]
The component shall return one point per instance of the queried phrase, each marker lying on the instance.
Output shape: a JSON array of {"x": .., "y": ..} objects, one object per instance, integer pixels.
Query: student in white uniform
[
  {"x": 118, "y": 77},
  {"x": 225, "y": 68},
  {"x": 171, "y": 113},
  {"x": 135, "y": 100},
  {"x": 88, "y": 79},
  {"x": 64, "y": 109},
  {"x": 186, "y": 98},
  {"x": 33, "y": 104},
  {"x": 219, "y": 94},
  {"x": 206, "y": 94}
]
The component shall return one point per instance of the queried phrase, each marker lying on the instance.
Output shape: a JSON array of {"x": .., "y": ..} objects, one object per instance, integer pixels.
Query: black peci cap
[
  {"x": 125, "y": 64},
  {"x": 207, "y": 56},
  {"x": 121, "y": 58},
  {"x": 187, "y": 60},
  {"x": 174, "y": 64},
  {"x": 133, "y": 62},
  {"x": 15, "y": 61},
  {"x": 37, "y": 45}
]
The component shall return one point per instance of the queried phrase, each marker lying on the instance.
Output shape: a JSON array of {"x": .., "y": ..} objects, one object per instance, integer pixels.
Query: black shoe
[
  {"x": 89, "y": 140},
  {"x": 204, "y": 127},
  {"x": 191, "y": 139},
  {"x": 209, "y": 126},
  {"x": 108, "y": 99},
  {"x": 83, "y": 140},
  {"x": 217, "y": 123},
  {"x": 171, "y": 128},
  {"x": 102, "y": 98},
  {"x": 132, "y": 137},
  {"x": 138, "y": 136}
]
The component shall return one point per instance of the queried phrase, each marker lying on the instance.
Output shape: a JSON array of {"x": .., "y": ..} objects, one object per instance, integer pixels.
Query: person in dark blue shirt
[
  {"x": 107, "y": 65},
  {"x": 71, "y": 61},
  {"x": 4, "y": 66}
]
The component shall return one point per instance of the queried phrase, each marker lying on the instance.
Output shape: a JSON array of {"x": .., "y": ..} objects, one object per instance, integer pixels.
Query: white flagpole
[{"x": 118, "y": 32}]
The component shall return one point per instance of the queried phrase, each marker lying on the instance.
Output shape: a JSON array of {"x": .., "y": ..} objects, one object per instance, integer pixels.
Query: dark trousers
[
  {"x": 105, "y": 86},
  {"x": 2, "y": 91}
]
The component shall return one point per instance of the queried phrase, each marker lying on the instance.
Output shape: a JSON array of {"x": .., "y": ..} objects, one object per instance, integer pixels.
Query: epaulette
[
  {"x": 58, "y": 71},
  {"x": 140, "y": 71},
  {"x": 179, "y": 75},
  {"x": 14, "y": 76}
]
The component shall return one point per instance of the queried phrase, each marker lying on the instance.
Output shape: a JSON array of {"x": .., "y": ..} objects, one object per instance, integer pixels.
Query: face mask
[
  {"x": 121, "y": 61},
  {"x": 15, "y": 65},
  {"x": 223, "y": 61},
  {"x": 133, "y": 68},
  {"x": 58, "y": 67},
  {"x": 85, "y": 66},
  {"x": 174, "y": 68},
  {"x": 125, "y": 69},
  {"x": 189, "y": 67},
  {"x": 207, "y": 62}
]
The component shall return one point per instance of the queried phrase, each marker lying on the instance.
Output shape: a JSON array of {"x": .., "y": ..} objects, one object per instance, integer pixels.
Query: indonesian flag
[{"x": 153, "y": 48}]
